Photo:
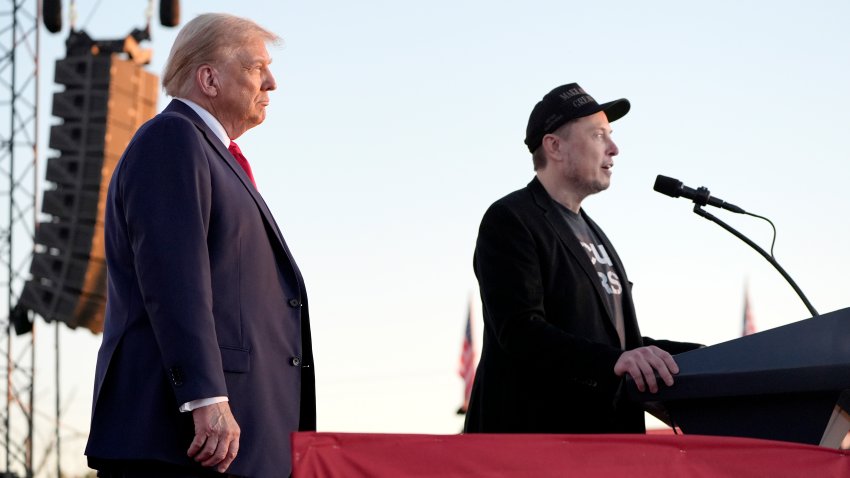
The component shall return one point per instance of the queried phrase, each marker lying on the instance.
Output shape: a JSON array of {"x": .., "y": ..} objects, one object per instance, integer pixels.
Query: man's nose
[
  {"x": 270, "y": 83},
  {"x": 613, "y": 149}
]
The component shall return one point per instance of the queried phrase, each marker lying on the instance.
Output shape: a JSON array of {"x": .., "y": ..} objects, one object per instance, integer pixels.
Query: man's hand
[
  {"x": 642, "y": 364},
  {"x": 216, "y": 441}
]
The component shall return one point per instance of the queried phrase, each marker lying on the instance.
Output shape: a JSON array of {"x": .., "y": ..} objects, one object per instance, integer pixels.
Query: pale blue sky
[{"x": 397, "y": 123}]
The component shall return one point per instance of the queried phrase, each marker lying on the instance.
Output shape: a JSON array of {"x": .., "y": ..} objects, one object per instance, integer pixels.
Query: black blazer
[
  {"x": 204, "y": 300},
  {"x": 549, "y": 341}
]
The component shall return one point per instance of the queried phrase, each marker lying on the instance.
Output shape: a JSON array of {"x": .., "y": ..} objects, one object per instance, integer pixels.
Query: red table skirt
[{"x": 353, "y": 455}]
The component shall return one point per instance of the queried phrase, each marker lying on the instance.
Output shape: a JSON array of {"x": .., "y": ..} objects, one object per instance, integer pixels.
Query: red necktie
[{"x": 240, "y": 158}]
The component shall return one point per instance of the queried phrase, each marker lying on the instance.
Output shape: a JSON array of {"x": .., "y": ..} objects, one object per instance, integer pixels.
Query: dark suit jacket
[
  {"x": 204, "y": 300},
  {"x": 550, "y": 344}
]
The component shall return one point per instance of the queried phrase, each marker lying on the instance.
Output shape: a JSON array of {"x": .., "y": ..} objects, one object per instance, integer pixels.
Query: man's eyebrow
[
  {"x": 251, "y": 65},
  {"x": 259, "y": 60}
]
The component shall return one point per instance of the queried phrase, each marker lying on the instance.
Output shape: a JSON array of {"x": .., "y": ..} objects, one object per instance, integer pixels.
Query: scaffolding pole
[{"x": 19, "y": 47}]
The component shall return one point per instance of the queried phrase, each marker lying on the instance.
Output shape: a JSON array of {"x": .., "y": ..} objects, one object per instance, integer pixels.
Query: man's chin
[
  {"x": 603, "y": 183},
  {"x": 258, "y": 119},
  {"x": 600, "y": 186}
]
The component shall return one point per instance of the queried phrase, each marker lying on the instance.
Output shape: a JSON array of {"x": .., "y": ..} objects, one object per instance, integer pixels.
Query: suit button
[
  {"x": 295, "y": 361},
  {"x": 294, "y": 303},
  {"x": 176, "y": 376}
]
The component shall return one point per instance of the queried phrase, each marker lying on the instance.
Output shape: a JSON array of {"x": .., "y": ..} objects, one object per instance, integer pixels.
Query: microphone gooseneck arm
[{"x": 698, "y": 210}]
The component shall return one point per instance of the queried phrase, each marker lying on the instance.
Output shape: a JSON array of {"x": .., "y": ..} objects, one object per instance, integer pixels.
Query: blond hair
[{"x": 206, "y": 39}]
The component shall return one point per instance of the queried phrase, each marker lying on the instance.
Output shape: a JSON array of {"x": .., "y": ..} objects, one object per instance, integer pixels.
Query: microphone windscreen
[{"x": 669, "y": 186}]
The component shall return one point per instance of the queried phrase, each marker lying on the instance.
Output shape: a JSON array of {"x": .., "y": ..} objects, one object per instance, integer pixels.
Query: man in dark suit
[
  {"x": 206, "y": 365},
  {"x": 560, "y": 330}
]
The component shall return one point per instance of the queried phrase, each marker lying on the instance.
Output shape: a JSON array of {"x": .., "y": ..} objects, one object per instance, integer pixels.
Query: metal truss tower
[{"x": 19, "y": 49}]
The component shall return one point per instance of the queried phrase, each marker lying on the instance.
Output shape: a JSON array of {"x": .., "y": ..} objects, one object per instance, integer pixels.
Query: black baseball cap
[{"x": 565, "y": 103}]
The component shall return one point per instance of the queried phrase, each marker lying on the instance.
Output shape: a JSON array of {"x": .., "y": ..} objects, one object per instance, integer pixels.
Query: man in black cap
[{"x": 560, "y": 329}]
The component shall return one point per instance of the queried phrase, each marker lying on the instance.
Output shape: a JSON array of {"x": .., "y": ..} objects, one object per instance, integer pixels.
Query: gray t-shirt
[{"x": 603, "y": 264}]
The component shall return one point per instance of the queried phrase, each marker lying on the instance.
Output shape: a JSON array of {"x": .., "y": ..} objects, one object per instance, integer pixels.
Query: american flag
[
  {"x": 467, "y": 362},
  {"x": 749, "y": 325}
]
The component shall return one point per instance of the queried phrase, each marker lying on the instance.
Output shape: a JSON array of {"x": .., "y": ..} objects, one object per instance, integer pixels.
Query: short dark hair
[{"x": 538, "y": 157}]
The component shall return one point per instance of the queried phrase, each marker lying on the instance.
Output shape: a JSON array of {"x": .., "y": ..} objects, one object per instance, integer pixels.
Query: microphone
[{"x": 674, "y": 188}]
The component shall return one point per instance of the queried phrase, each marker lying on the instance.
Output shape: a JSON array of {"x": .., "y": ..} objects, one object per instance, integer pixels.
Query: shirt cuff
[{"x": 203, "y": 402}]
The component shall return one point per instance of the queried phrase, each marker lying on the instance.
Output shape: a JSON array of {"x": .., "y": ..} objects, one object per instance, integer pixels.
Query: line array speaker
[{"x": 105, "y": 99}]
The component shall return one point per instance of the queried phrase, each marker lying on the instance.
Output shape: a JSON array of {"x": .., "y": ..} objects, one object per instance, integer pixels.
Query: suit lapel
[
  {"x": 571, "y": 243},
  {"x": 213, "y": 141}
]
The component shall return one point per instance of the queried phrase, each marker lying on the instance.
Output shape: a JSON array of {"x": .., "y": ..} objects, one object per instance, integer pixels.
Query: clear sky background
[{"x": 396, "y": 124}]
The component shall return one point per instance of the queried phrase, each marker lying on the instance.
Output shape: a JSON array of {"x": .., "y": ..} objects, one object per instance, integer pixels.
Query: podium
[{"x": 791, "y": 383}]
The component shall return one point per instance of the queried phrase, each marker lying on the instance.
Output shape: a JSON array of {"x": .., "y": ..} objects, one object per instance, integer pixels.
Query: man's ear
[
  {"x": 207, "y": 79},
  {"x": 552, "y": 145}
]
